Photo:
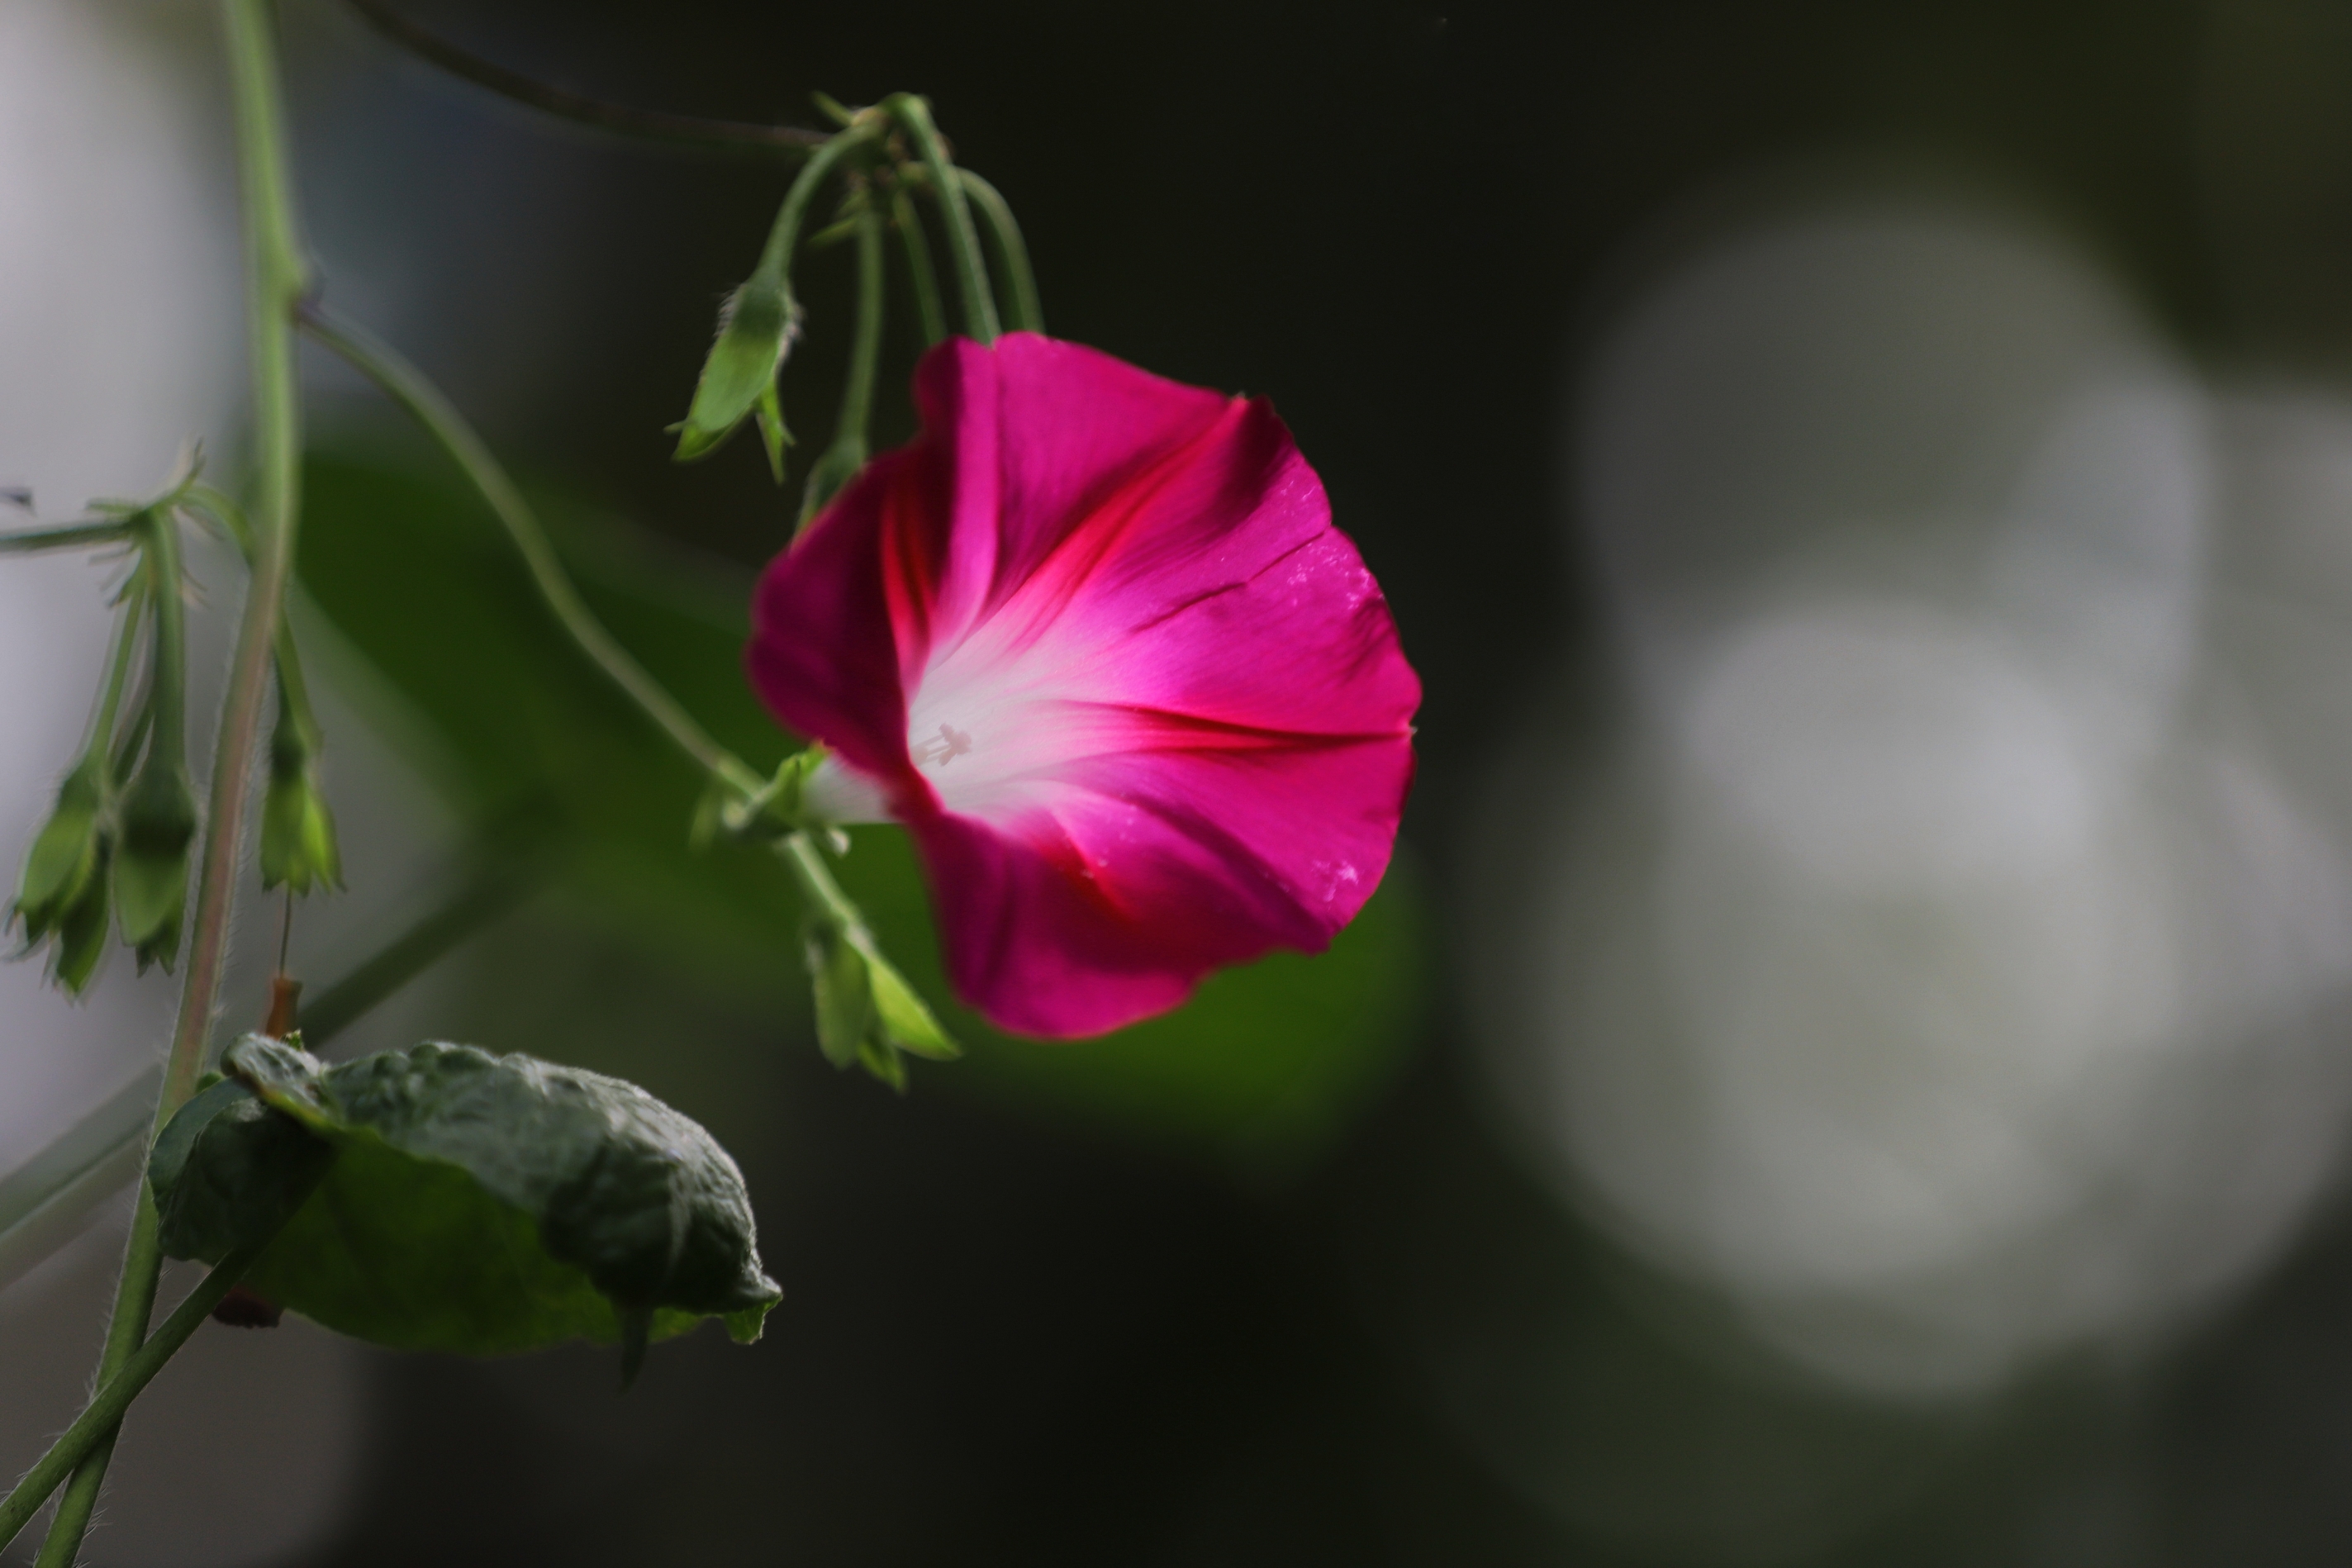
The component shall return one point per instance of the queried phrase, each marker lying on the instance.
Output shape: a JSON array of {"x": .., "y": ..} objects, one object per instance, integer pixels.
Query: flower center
[{"x": 950, "y": 743}]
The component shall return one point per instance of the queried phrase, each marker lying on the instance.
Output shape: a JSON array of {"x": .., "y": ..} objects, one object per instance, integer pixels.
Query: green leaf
[{"x": 470, "y": 1203}]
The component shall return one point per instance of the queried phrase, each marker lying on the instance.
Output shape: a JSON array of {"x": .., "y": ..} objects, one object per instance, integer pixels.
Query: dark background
[{"x": 1013, "y": 1338}]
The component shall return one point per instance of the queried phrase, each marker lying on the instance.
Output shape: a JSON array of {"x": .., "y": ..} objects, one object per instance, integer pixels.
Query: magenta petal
[
  {"x": 821, "y": 653},
  {"x": 1095, "y": 637}
]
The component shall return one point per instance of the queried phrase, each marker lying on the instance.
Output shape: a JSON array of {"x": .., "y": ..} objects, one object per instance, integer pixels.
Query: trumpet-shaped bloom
[{"x": 1092, "y": 637}]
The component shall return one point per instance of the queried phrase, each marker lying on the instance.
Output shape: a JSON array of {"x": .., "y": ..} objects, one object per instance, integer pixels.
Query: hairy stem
[
  {"x": 914, "y": 116},
  {"x": 92, "y": 1433},
  {"x": 407, "y": 387},
  {"x": 275, "y": 281}
]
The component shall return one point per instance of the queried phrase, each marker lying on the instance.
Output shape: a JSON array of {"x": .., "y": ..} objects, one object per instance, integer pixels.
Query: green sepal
[
  {"x": 68, "y": 853},
  {"x": 81, "y": 936},
  {"x": 151, "y": 859},
  {"x": 756, "y": 328},
  {"x": 866, "y": 1013},
  {"x": 905, "y": 1016},
  {"x": 474, "y": 1203},
  {"x": 765, "y": 815},
  {"x": 298, "y": 849},
  {"x": 842, "y": 993},
  {"x": 769, "y": 413}
]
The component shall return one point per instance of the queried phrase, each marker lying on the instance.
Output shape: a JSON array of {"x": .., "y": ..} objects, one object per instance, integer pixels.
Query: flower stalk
[
  {"x": 1023, "y": 311},
  {"x": 846, "y": 455},
  {"x": 913, "y": 115},
  {"x": 922, "y": 278}
]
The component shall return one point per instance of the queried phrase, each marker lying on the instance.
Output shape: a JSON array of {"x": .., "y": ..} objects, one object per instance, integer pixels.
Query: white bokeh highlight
[{"x": 1942, "y": 959}]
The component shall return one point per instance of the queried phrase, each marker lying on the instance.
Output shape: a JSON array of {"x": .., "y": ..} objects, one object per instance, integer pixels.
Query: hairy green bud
[
  {"x": 756, "y": 329},
  {"x": 151, "y": 861},
  {"x": 68, "y": 852},
  {"x": 298, "y": 832}
]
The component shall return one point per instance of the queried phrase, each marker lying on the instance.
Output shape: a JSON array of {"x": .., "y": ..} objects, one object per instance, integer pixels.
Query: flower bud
[
  {"x": 68, "y": 853},
  {"x": 298, "y": 832},
  {"x": 151, "y": 859},
  {"x": 81, "y": 930},
  {"x": 756, "y": 329}
]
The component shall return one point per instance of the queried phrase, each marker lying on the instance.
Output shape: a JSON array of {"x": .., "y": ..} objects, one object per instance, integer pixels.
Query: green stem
[
  {"x": 134, "y": 736},
  {"x": 846, "y": 455},
  {"x": 914, "y": 114},
  {"x": 276, "y": 281},
  {"x": 783, "y": 238},
  {"x": 921, "y": 278},
  {"x": 134, "y": 1302},
  {"x": 92, "y": 1434},
  {"x": 1023, "y": 313},
  {"x": 406, "y": 386},
  {"x": 166, "y": 590},
  {"x": 118, "y": 676},
  {"x": 66, "y": 536},
  {"x": 825, "y": 899},
  {"x": 293, "y": 691}
]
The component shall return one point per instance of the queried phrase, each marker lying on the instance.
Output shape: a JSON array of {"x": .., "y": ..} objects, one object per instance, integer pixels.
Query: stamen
[{"x": 951, "y": 743}]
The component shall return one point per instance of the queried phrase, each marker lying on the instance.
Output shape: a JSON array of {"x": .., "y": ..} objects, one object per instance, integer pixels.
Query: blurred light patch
[
  {"x": 121, "y": 328},
  {"x": 1940, "y": 958}
]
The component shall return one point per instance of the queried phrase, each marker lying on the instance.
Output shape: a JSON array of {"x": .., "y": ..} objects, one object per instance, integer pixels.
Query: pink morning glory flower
[{"x": 1092, "y": 639}]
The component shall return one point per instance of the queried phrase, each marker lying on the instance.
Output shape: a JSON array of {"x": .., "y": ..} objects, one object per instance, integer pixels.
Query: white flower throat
[{"x": 950, "y": 744}]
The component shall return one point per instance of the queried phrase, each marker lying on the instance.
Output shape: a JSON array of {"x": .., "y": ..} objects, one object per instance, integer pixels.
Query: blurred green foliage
[{"x": 523, "y": 735}]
